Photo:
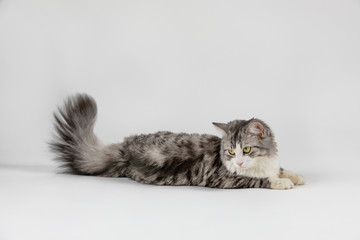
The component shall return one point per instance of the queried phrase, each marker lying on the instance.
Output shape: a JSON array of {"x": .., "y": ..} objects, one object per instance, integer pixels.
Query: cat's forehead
[
  {"x": 235, "y": 125},
  {"x": 236, "y": 131},
  {"x": 242, "y": 138},
  {"x": 235, "y": 134}
]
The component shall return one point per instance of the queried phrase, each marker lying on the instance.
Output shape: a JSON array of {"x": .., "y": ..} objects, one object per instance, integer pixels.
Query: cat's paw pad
[
  {"x": 298, "y": 179},
  {"x": 281, "y": 183}
]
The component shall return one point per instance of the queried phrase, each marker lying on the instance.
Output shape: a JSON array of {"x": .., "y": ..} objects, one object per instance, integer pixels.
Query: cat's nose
[{"x": 240, "y": 163}]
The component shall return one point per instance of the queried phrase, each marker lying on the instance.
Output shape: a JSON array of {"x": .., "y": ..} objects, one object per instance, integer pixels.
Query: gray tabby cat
[{"x": 245, "y": 157}]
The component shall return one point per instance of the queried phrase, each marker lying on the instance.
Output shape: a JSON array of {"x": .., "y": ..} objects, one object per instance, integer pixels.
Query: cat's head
[{"x": 245, "y": 144}]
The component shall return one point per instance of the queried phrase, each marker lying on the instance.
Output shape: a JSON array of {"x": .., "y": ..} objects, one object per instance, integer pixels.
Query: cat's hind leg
[{"x": 297, "y": 179}]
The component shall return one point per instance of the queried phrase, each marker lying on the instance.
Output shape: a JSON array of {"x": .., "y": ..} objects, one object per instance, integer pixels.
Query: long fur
[
  {"x": 165, "y": 158},
  {"x": 76, "y": 146}
]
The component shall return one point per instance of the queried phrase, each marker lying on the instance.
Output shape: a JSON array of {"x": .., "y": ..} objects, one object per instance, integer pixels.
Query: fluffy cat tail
[{"x": 74, "y": 142}]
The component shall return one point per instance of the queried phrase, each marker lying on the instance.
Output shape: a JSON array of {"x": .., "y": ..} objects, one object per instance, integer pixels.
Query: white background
[{"x": 178, "y": 66}]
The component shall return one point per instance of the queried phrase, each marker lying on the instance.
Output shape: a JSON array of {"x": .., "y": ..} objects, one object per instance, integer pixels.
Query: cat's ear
[
  {"x": 256, "y": 128},
  {"x": 222, "y": 127}
]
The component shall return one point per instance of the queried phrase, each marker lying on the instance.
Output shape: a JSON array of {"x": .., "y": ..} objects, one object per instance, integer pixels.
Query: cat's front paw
[
  {"x": 298, "y": 179},
  {"x": 281, "y": 183}
]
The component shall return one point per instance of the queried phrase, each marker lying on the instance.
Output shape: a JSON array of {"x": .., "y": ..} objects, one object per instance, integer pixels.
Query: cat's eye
[
  {"x": 231, "y": 152},
  {"x": 246, "y": 149}
]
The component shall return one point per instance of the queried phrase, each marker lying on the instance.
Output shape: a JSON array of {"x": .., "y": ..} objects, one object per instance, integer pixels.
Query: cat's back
[
  {"x": 166, "y": 158},
  {"x": 165, "y": 144}
]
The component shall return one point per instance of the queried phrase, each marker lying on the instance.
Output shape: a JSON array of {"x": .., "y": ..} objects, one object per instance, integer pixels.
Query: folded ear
[
  {"x": 256, "y": 128},
  {"x": 222, "y": 127}
]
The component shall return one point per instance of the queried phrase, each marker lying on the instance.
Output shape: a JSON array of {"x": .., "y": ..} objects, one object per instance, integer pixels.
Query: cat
[{"x": 245, "y": 156}]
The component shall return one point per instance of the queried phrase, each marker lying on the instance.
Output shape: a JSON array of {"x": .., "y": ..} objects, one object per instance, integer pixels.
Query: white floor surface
[{"x": 38, "y": 203}]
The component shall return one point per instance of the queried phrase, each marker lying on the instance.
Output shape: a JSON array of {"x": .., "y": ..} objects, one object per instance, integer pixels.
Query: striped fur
[{"x": 162, "y": 158}]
